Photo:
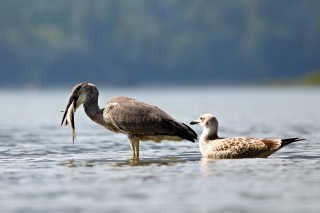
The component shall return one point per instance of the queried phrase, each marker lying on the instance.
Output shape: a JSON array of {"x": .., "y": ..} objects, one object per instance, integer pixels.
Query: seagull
[
  {"x": 138, "y": 120},
  {"x": 212, "y": 146}
]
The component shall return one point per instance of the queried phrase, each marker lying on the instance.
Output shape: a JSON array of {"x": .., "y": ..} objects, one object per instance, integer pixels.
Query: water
[{"x": 41, "y": 171}]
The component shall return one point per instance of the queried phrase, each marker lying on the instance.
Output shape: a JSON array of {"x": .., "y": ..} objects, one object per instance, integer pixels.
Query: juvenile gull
[
  {"x": 212, "y": 146},
  {"x": 138, "y": 120}
]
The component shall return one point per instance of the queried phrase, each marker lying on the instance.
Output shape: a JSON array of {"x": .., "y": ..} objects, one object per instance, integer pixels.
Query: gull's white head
[{"x": 207, "y": 121}]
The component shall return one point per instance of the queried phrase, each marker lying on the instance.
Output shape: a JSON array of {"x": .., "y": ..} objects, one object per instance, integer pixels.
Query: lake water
[{"x": 41, "y": 171}]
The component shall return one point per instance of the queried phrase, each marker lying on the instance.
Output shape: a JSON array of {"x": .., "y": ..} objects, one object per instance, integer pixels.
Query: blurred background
[
  {"x": 159, "y": 51},
  {"x": 181, "y": 42}
]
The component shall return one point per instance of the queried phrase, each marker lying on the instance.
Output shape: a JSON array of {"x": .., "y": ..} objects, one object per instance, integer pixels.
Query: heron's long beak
[
  {"x": 194, "y": 122},
  {"x": 65, "y": 113},
  {"x": 68, "y": 116},
  {"x": 72, "y": 102}
]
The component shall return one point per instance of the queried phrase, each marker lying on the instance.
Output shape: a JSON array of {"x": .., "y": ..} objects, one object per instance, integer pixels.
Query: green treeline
[{"x": 128, "y": 41}]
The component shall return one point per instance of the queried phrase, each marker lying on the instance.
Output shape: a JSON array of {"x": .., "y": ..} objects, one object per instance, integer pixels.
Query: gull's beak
[{"x": 194, "y": 122}]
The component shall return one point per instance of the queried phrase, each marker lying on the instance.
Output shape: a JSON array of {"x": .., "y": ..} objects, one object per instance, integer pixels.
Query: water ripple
[{"x": 42, "y": 171}]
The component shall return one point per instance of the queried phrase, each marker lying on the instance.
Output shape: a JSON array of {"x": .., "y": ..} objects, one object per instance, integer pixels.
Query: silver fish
[
  {"x": 69, "y": 115},
  {"x": 75, "y": 100}
]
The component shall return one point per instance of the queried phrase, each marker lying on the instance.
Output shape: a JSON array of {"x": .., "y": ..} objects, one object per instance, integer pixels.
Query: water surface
[{"x": 41, "y": 171}]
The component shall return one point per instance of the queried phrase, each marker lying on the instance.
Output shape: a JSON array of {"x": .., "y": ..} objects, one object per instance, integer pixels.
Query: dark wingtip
[
  {"x": 292, "y": 139},
  {"x": 287, "y": 141}
]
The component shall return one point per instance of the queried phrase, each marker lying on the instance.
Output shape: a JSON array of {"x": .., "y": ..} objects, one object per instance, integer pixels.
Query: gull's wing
[{"x": 237, "y": 147}]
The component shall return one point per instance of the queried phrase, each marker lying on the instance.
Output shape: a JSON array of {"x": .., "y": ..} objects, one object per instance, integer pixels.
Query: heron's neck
[{"x": 93, "y": 111}]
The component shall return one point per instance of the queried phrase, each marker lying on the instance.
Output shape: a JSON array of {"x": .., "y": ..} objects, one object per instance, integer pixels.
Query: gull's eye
[{"x": 201, "y": 118}]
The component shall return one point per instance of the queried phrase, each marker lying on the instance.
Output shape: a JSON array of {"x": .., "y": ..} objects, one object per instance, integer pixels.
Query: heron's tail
[{"x": 185, "y": 131}]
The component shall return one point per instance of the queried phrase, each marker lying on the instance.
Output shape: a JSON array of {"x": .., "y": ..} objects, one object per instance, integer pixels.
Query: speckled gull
[
  {"x": 212, "y": 146},
  {"x": 138, "y": 120}
]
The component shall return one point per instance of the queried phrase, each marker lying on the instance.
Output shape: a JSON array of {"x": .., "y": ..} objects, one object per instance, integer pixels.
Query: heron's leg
[
  {"x": 131, "y": 146},
  {"x": 131, "y": 142},
  {"x": 134, "y": 144}
]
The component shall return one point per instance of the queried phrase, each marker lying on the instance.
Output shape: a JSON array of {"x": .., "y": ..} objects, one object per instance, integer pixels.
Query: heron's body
[
  {"x": 212, "y": 146},
  {"x": 138, "y": 120}
]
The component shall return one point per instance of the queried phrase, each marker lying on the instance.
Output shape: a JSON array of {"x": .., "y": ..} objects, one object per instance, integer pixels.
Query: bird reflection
[{"x": 120, "y": 163}]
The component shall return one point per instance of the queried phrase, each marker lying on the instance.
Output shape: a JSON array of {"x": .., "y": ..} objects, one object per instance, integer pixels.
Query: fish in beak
[
  {"x": 73, "y": 104},
  {"x": 68, "y": 119}
]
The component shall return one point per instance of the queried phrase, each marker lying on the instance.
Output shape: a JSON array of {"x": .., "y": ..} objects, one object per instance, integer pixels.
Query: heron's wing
[{"x": 133, "y": 116}]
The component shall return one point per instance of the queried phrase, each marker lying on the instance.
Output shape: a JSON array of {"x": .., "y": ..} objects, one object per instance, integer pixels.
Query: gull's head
[
  {"x": 78, "y": 96},
  {"x": 207, "y": 121}
]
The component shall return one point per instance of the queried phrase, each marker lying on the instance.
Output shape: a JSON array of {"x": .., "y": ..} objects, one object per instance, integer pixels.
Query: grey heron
[
  {"x": 212, "y": 146},
  {"x": 138, "y": 120}
]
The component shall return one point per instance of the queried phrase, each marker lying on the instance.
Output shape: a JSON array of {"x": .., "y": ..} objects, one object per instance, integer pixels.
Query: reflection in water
[
  {"x": 150, "y": 161},
  {"x": 206, "y": 167},
  {"x": 120, "y": 163},
  {"x": 73, "y": 163},
  {"x": 221, "y": 167}
]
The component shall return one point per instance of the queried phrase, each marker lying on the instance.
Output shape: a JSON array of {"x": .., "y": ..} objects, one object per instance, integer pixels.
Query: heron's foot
[
  {"x": 135, "y": 160},
  {"x": 135, "y": 156}
]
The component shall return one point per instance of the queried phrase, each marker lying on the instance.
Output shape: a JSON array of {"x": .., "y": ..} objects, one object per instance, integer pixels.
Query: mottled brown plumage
[
  {"x": 138, "y": 120},
  {"x": 212, "y": 146}
]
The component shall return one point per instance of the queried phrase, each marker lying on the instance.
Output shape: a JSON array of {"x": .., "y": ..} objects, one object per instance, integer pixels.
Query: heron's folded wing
[{"x": 137, "y": 117}]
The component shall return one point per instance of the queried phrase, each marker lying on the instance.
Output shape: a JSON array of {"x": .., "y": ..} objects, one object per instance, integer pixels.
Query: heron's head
[
  {"x": 78, "y": 96},
  {"x": 207, "y": 121}
]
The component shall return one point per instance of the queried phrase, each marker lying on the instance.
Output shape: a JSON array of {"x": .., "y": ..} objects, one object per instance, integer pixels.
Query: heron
[
  {"x": 138, "y": 120},
  {"x": 212, "y": 146}
]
